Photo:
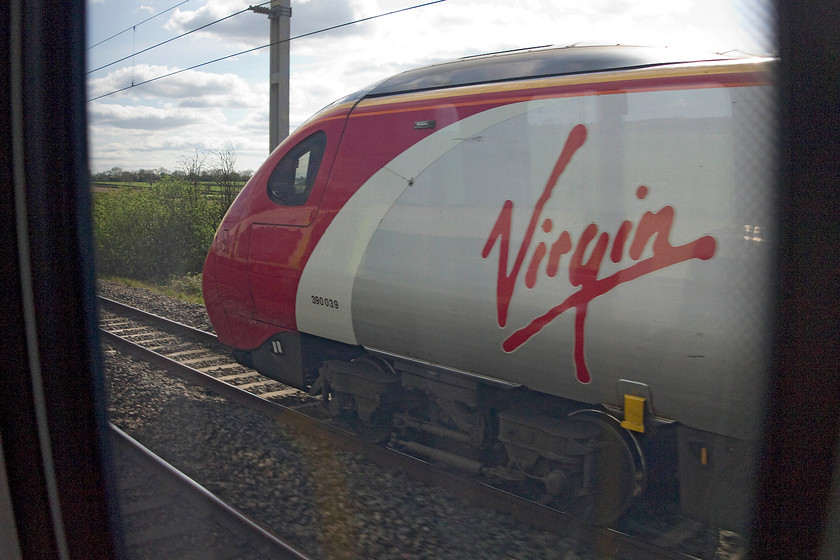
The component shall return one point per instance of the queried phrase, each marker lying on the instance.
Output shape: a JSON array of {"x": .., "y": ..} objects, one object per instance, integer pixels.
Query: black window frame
[{"x": 281, "y": 183}]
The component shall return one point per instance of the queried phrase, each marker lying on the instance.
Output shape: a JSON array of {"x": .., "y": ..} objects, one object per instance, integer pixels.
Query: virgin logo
[{"x": 652, "y": 229}]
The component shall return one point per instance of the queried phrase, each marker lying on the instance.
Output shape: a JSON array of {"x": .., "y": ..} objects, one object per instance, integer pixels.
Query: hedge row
[{"x": 155, "y": 232}]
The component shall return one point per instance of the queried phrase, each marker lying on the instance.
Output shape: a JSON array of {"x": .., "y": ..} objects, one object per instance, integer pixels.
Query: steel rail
[
  {"x": 248, "y": 532},
  {"x": 196, "y": 334}
]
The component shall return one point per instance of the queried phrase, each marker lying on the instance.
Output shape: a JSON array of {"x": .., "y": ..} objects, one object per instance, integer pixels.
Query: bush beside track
[{"x": 156, "y": 233}]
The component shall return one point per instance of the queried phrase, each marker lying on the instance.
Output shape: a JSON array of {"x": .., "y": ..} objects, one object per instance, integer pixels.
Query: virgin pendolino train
[{"x": 547, "y": 266}]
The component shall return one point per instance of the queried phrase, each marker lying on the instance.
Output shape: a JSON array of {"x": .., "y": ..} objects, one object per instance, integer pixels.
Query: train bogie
[{"x": 536, "y": 266}]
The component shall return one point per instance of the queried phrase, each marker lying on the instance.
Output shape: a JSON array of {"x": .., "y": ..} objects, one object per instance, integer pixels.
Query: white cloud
[
  {"x": 240, "y": 30},
  {"x": 227, "y": 103},
  {"x": 190, "y": 88},
  {"x": 136, "y": 137},
  {"x": 140, "y": 117},
  {"x": 252, "y": 30},
  {"x": 249, "y": 30}
]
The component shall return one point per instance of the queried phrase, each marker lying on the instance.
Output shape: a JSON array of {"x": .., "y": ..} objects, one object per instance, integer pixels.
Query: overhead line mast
[{"x": 279, "y": 14}]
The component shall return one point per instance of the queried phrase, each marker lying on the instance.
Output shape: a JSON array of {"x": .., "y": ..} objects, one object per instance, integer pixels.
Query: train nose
[
  {"x": 212, "y": 300},
  {"x": 226, "y": 288}
]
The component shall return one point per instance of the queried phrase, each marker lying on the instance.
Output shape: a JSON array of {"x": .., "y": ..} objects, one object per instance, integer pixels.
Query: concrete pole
[{"x": 278, "y": 114}]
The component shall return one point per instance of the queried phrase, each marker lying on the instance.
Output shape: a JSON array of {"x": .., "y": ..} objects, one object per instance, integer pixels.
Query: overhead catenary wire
[
  {"x": 309, "y": 34},
  {"x": 136, "y": 24},
  {"x": 205, "y": 26}
]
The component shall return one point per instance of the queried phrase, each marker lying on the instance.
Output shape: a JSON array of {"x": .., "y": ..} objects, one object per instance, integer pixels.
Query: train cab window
[{"x": 291, "y": 180}]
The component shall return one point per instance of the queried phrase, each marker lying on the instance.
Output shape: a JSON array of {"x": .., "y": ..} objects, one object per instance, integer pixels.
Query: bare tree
[
  {"x": 226, "y": 177},
  {"x": 192, "y": 167}
]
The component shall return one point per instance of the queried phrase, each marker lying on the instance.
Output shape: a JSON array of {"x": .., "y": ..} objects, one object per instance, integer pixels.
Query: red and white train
[{"x": 549, "y": 266}]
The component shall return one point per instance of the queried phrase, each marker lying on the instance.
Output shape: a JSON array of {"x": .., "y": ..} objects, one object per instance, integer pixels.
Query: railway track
[
  {"x": 165, "y": 514},
  {"x": 190, "y": 347},
  {"x": 197, "y": 357}
]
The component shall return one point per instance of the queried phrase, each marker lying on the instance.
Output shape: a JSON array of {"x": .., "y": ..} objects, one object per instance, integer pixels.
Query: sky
[{"x": 224, "y": 105}]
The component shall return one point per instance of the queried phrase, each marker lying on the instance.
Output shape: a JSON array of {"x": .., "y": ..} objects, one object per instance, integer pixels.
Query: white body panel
[
  {"x": 333, "y": 266},
  {"x": 415, "y": 268}
]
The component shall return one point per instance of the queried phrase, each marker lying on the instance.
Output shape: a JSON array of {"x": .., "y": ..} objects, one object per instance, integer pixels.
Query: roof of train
[{"x": 532, "y": 63}]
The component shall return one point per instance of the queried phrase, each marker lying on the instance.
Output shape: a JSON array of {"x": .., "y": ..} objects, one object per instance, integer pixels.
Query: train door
[{"x": 282, "y": 234}]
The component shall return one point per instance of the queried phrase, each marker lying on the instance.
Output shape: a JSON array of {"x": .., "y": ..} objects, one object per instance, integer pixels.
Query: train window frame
[{"x": 282, "y": 183}]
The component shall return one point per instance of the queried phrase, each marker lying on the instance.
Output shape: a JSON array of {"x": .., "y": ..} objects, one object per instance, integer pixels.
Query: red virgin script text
[{"x": 582, "y": 274}]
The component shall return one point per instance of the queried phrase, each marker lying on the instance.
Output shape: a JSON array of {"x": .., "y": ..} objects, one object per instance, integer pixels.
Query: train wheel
[
  {"x": 362, "y": 394},
  {"x": 344, "y": 408},
  {"x": 614, "y": 474},
  {"x": 380, "y": 423},
  {"x": 377, "y": 430}
]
